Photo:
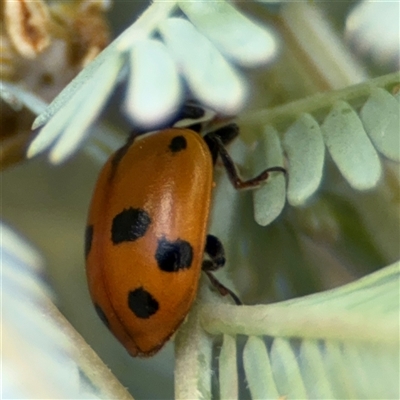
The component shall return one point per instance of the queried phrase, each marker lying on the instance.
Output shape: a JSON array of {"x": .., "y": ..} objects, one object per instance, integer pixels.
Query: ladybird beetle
[{"x": 146, "y": 233}]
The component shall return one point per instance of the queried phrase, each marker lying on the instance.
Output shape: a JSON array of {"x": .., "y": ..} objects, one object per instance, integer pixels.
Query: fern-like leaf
[{"x": 337, "y": 344}]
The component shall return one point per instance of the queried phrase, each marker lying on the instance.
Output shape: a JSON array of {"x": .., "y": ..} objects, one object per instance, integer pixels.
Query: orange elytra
[{"x": 147, "y": 233}]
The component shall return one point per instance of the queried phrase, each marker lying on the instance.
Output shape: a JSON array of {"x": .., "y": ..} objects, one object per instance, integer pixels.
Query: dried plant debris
[{"x": 43, "y": 46}]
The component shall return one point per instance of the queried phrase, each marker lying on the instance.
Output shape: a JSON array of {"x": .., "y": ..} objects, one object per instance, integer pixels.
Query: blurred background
[{"x": 340, "y": 235}]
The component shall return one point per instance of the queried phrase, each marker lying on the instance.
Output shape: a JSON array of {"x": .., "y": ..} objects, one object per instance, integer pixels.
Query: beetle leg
[
  {"x": 226, "y": 133},
  {"x": 223, "y": 290},
  {"x": 217, "y": 146},
  {"x": 216, "y": 252}
]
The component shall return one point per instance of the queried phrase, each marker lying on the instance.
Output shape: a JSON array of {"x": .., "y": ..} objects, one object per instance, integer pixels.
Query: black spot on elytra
[
  {"x": 142, "y": 303},
  {"x": 178, "y": 143},
  {"x": 173, "y": 256},
  {"x": 88, "y": 239},
  {"x": 129, "y": 225},
  {"x": 102, "y": 315}
]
